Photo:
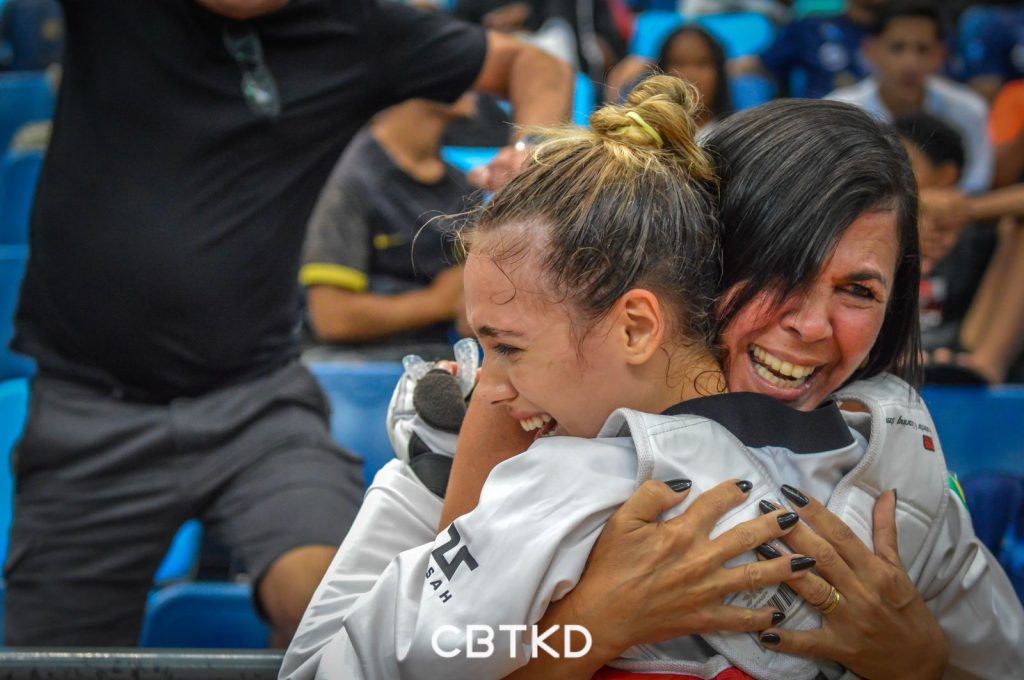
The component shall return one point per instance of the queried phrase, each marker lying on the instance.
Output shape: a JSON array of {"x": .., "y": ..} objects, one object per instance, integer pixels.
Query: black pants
[{"x": 102, "y": 484}]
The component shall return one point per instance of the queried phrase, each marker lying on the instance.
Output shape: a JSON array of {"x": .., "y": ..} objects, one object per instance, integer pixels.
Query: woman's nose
[
  {"x": 809, "y": 318},
  {"x": 493, "y": 385}
]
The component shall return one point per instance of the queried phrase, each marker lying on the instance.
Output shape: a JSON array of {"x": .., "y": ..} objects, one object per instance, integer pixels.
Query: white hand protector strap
[{"x": 426, "y": 412}]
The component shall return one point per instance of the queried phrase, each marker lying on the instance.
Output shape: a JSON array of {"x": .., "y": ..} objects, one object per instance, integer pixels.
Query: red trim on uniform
[
  {"x": 607, "y": 673},
  {"x": 928, "y": 443}
]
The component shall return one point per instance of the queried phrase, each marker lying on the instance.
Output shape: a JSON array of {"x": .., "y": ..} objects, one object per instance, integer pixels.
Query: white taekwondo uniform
[{"x": 375, "y": 615}]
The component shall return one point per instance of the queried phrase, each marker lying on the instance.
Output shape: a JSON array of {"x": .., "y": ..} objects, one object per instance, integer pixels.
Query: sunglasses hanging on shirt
[{"x": 258, "y": 85}]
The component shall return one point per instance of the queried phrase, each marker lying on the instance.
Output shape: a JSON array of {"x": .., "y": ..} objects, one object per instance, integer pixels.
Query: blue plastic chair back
[
  {"x": 13, "y": 410},
  {"x": 203, "y": 615},
  {"x": 979, "y": 428},
  {"x": 18, "y": 176},
  {"x": 1011, "y": 553},
  {"x": 12, "y": 269},
  {"x": 466, "y": 158},
  {"x": 584, "y": 100},
  {"x": 750, "y": 90},
  {"x": 359, "y": 395},
  {"x": 741, "y": 33},
  {"x": 182, "y": 559},
  {"x": 24, "y": 97},
  {"x": 994, "y": 501}
]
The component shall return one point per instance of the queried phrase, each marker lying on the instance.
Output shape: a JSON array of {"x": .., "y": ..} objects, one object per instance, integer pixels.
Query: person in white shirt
[{"x": 906, "y": 53}]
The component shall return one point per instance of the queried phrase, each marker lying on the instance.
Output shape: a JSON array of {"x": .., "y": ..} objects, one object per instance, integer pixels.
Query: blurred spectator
[
  {"x": 823, "y": 52},
  {"x": 693, "y": 54},
  {"x": 31, "y": 34},
  {"x": 583, "y": 32},
  {"x": 991, "y": 47},
  {"x": 953, "y": 258},
  {"x": 188, "y": 148},
  {"x": 906, "y": 51},
  {"x": 376, "y": 263},
  {"x": 1006, "y": 130}
]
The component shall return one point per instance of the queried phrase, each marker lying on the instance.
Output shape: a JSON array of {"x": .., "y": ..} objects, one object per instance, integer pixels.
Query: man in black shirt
[{"x": 190, "y": 141}]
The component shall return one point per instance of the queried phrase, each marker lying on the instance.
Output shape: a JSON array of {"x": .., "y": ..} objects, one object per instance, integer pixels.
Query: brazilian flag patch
[{"x": 957, "y": 490}]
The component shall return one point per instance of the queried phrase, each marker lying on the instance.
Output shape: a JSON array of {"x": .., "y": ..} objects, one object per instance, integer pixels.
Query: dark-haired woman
[{"x": 809, "y": 195}]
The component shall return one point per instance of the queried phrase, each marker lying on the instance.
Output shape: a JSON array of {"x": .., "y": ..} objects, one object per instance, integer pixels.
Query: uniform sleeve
[
  {"x": 428, "y": 55},
  {"x": 398, "y": 513},
  {"x": 337, "y": 247},
  {"x": 974, "y": 602},
  {"x": 524, "y": 545}
]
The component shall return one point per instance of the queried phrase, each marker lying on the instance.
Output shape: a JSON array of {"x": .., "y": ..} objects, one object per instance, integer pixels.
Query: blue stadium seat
[
  {"x": 13, "y": 409},
  {"x": 584, "y": 100},
  {"x": 741, "y": 33},
  {"x": 994, "y": 501},
  {"x": 203, "y": 615},
  {"x": 182, "y": 559},
  {"x": 24, "y": 97},
  {"x": 12, "y": 268},
  {"x": 979, "y": 428},
  {"x": 359, "y": 395},
  {"x": 466, "y": 158},
  {"x": 1011, "y": 554},
  {"x": 750, "y": 90},
  {"x": 18, "y": 176}
]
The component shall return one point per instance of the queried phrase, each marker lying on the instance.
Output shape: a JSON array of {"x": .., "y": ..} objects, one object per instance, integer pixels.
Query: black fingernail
[
  {"x": 777, "y": 618},
  {"x": 744, "y": 485},
  {"x": 767, "y": 552},
  {"x": 788, "y": 520},
  {"x": 801, "y": 563},
  {"x": 794, "y": 495},
  {"x": 770, "y": 639},
  {"x": 766, "y": 507},
  {"x": 679, "y": 485}
]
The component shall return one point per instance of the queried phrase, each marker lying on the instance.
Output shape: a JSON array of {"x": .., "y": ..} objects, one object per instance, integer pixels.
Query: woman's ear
[{"x": 642, "y": 321}]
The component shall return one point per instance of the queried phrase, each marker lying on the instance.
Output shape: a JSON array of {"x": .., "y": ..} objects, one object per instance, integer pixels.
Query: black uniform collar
[{"x": 758, "y": 420}]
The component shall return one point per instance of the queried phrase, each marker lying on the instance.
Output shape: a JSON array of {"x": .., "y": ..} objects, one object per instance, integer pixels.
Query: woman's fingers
[
  {"x": 650, "y": 500},
  {"x": 830, "y": 563},
  {"x": 712, "y": 504},
  {"x": 884, "y": 521},
  {"x": 830, "y": 527},
  {"x": 819, "y": 642},
  {"x": 722, "y": 617},
  {"x": 762, "y": 573},
  {"x": 753, "y": 533}
]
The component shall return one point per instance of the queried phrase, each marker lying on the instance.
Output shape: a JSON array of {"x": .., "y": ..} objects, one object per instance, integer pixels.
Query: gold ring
[{"x": 830, "y": 603}]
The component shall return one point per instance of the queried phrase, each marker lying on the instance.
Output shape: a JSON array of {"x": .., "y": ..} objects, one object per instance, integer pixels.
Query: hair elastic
[{"x": 651, "y": 132}]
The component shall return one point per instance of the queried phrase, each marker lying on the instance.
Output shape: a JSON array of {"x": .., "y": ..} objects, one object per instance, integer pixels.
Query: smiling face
[
  {"x": 533, "y": 364},
  {"x": 805, "y": 348}
]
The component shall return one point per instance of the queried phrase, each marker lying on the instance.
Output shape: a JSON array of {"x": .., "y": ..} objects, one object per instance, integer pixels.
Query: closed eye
[
  {"x": 505, "y": 350},
  {"x": 862, "y": 292}
]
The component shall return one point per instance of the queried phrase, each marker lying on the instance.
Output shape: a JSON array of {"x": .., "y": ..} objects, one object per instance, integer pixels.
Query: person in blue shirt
[
  {"x": 814, "y": 55},
  {"x": 990, "y": 48}
]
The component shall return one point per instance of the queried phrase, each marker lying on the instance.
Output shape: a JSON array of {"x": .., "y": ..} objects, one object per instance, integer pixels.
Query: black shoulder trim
[
  {"x": 433, "y": 470},
  {"x": 758, "y": 420}
]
